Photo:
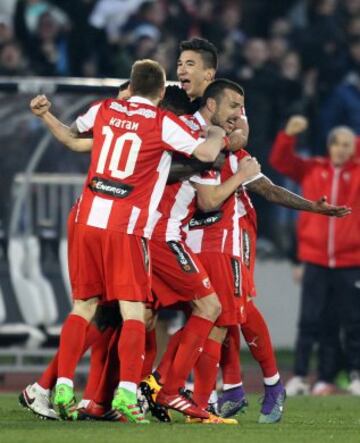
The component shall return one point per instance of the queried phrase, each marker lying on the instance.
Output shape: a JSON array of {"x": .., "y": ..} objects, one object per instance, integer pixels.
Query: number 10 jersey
[{"x": 130, "y": 162}]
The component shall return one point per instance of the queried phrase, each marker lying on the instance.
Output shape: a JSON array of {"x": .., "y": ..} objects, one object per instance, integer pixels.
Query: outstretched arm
[
  {"x": 277, "y": 194},
  {"x": 69, "y": 136}
]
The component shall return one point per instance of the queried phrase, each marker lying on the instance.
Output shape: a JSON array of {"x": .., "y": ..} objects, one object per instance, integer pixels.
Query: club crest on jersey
[
  {"x": 109, "y": 187},
  {"x": 201, "y": 219},
  {"x": 182, "y": 257},
  {"x": 206, "y": 283}
]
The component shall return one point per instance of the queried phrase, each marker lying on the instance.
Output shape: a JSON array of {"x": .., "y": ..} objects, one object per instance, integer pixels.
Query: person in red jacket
[{"x": 328, "y": 246}]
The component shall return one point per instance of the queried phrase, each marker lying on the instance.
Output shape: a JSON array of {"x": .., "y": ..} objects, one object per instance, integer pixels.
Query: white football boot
[
  {"x": 37, "y": 399},
  {"x": 354, "y": 385},
  {"x": 323, "y": 389},
  {"x": 297, "y": 386}
]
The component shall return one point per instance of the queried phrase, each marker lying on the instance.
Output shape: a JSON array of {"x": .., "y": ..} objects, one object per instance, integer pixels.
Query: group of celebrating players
[{"x": 141, "y": 240}]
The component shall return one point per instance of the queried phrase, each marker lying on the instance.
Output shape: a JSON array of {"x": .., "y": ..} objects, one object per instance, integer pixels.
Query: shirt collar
[
  {"x": 138, "y": 99},
  {"x": 200, "y": 119}
]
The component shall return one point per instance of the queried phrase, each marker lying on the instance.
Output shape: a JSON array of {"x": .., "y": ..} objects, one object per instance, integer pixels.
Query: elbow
[{"x": 207, "y": 157}]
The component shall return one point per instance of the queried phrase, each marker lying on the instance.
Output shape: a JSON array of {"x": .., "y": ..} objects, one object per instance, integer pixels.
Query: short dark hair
[
  {"x": 216, "y": 88},
  {"x": 176, "y": 100},
  {"x": 147, "y": 78},
  {"x": 206, "y": 49}
]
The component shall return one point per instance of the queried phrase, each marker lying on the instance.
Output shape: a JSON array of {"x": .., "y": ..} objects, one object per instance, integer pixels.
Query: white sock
[
  {"x": 83, "y": 403},
  {"x": 65, "y": 381},
  {"x": 226, "y": 386},
  {"x": 129, "y": 386},
  {"x": 213, "y": 397},
  {"x": 271, "y": 381},
  {"x": 41, "y": 389}
]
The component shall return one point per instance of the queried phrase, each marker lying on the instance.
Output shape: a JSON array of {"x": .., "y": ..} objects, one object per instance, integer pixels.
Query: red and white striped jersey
[
  {"x": 219, "y": 231},
  {"x": 178, "y": 203},
  {"x": 130, "y": 162}
]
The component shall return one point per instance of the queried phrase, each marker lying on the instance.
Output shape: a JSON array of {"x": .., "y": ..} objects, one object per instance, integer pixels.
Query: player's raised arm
[
  {"x": 277, "y": 194},
  {"x": 69, "y": 136},
  {"x": 211, "y": 197},
  {"x": 208, "y": 150}
]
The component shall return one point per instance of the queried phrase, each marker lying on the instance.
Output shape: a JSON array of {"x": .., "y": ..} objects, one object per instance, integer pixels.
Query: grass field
[{"x": 332, "y": 419}]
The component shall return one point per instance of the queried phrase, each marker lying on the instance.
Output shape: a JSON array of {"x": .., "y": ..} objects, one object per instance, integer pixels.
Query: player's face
[
  {"x": 192, "y": 74},
  {"x": 228, "y": 110},
  {"x": 342, "y": 148}
]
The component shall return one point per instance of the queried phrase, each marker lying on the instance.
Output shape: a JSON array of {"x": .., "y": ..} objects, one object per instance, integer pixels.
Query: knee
[
  {"x": 85, "y": 308},
  {"x": 208, "y": 307}
]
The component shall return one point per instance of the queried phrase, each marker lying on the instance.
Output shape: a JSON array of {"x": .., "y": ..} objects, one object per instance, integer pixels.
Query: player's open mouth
[{"x": 185, "y": 83}]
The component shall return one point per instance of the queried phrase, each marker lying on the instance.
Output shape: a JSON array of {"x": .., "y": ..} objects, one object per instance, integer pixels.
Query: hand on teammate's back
[
  {"x": 321, "y": 206},
  {"x": 296, "y": 124},
  {"x": 39, "y": 105},
  {"x": 249, "y": 167}
]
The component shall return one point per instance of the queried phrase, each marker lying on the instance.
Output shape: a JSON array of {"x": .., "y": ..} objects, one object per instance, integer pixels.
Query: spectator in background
[
  {"x": 50, "y": 47},
  {"x": 261, "y": 85},
  {"x": 12, "y": 61},
  {"x": 6, "y": 30},
  {"x": 330, "y": 249},
  {"x": 343, "y": 106}
]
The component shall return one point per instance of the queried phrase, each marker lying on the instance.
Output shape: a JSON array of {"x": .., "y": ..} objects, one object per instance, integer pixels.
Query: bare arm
[
  {"x": 211, "y": 197},
  {"x": 239, "y": 137},
  {"x": 277, "y": 194},
  {"x": 183, "y": 168},
  {"x": 69, "y": 136},
  {"x": 208, "y": 150}
]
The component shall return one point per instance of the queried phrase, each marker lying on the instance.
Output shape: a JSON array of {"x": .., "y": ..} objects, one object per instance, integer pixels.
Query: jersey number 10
[{"x": 117, "y": 153}]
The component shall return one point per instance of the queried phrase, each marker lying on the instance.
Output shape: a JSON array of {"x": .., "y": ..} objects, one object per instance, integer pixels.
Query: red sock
[
  {"x": 50, "y": 375},
  {"x": 205, "y": 372},
  {"x": 71, "y": 348},
  {"x": 230, "y": 357},
  {"x": 192, "y": 341},
  {"x": 168, "y": 357},
  {"x": 110, "y": 375},
  {"x": 257, "y": 336},
  {"x": 131, "y": 350},
  {"x": 150, "y": 353},
  {"x": 98, "y": 356}
]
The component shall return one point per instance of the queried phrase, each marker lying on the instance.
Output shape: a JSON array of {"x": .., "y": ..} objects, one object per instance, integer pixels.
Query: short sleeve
[
  {"x": 177, "y": 137},
  {"x": 85, "y": 122}
]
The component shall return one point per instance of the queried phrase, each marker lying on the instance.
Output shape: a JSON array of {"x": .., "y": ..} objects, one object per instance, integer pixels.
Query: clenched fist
[
  {"x": 249, "y": 167},
  {"x": 40, "y": 105},
  {"x": 296, "y": 125}
]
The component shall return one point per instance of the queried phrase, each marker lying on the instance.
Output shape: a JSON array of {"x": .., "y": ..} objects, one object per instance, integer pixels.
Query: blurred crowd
[{"x": 294, "y": 56}]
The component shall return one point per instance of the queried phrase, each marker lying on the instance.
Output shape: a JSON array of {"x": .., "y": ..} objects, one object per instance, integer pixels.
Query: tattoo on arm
[{"x": 277, "y": 194}]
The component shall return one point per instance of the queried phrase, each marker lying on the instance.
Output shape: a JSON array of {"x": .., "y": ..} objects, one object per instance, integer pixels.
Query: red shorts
[
  {"x": 225, "y": 275},
  {"x": 177, "y": 274},
  {"x": 108, "y": 264}
]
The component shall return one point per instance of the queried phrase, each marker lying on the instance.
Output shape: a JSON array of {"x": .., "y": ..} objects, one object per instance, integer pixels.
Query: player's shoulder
[
  {"x": 131, "y": 108},
  {"x": 191, "y": 122}
]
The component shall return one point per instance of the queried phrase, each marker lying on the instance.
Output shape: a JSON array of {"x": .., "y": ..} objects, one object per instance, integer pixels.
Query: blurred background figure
[{"x": 330, "y": 302}]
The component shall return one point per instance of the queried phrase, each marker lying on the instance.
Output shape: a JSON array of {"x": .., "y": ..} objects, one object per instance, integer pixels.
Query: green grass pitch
[{"x": 332, "y": 419}]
